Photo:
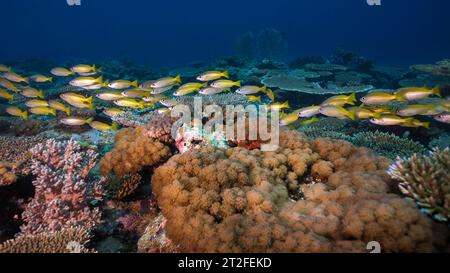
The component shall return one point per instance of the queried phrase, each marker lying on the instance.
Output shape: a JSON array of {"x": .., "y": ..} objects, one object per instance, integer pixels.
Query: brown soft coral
[
  {"x": 132, "y": 152},
  {"x": 237, "y": 200},
  {"x": 7, "y": 175}
]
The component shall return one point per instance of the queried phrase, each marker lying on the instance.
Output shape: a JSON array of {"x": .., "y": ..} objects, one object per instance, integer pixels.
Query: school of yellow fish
[{"x": 131, "y": 94}]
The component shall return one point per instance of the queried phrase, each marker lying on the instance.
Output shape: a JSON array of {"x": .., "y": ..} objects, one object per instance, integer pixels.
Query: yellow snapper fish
[
  {"x": 87, "y": 74},
  {"x": 444, "y": 118},
  {"x": 163, "y": 110},
  {"x": 74, "y": 97},
  {"x": 289, "y": 119},
  {"x": 147, "y": 85},
  {"x": 164, "y": 82},
  {"x": 59, "y": 106},
  {"x": 390, "y": 120},
  {"x": 75, "y": 121},
  {"x": 103, "y": 127},
  {"x": 110, "y": 95},
  {"x": 132, "y": 103},
  {"x": 375, "y": 98},
  {"x": 17, "y": 112},
  {"x": 111, "y": 112},
  {"x": 168, "y": 102},
  {"x": 43, "y": 111},
  {"x": 363, "y": 113},
  {"x": 84, "y": 68},
  {"x": 337, "y": 112},
  {"x": 250, "y": 89},
  {"x": 4, "y": 68},
  {"x": 212, "y": 76},
  {"x": 8, "y": 85},
  {"x": 161, "y": 90},
  {"x": 31, "y": 92},
  {"x": 5, "y": 94},
  {"x": 61, "y": 72},
  {"x": 14, "y": 77},
  {"x": 188, "y": 88},
  {"x": 136, "y": 93},
  {"x": 81, "y": 105},
  {"x": 254, "y": 98},
  {"x": 270, "y": 94},
  {"x": 437, "y": 109},
  {"x": 225, "y": 84},
  {"x": 309, "y": 121},
  {"x": 41, "y": 78},
  {"x": 414, "y": 110},
  {"x": 86, "y": 81},
  {"x": 212, "y": 91},
  {"x": 96, "y": 86},
  {"x": 123, "y": 84},
  {"x": 307, "y": 112},
  {"x": 381, "y": 110},
  {"x": 415, "y": 123},
  {"x": 417, "y": 93},
  {"x": 340, "y": 100},
  {"x": 155, "y": 98},
  {"x": 36, "y": 103},
  {"x": 279, "y": 106}
]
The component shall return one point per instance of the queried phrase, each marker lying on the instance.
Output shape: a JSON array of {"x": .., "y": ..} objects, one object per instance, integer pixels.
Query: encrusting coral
[
  {"x": 63, "y": 191},
  {"x": 64, "y": 241},
  {"x": 133, "y": 151},
  {"x": 426, "y": 179},
  {"x": 308, "y": 196},
  {"x": 7, "y": 175}
]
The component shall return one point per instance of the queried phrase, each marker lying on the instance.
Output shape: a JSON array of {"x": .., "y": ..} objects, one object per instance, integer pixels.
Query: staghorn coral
[
  {"x": 63, "y": 192},
  {"x": 132, "y": 152},
  {"x": 236, "y": 200},
  {"x": 426, "y": 179},
  {"x": 7, "y": 174},
  {"x": 64, "y": 241}
]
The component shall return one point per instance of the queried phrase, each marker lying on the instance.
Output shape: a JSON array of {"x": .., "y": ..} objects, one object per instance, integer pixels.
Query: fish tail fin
[
  {"x": 351, "y": 114},
  {"x": 426, "y": 125},
  {"x": 91, "y": 106},
  {"x": 409, "y": 120},
  {"x": 24, "y": 115},
  {"x": 377, "y": 115},
  {"x": 40, "y": 94},
  {"x": 100, "y": 79},
  {"x": 100, "y": 70},
  {"x": 50, "y": 79},
  {"x": 135, "y": 83},
  {"x": 286, "y": 104},
  {"x": 178, "y": 78},
  {"x": 89, "y": 120},
  {"x": 93, "y": 68},
  {"x": 27, "y": 80},
  {"x": 352, "y": 98},
  {"x": 399, "y": 97},
  {"x": 258, "y": 99},
  {"x": 68, "y": 111},
  {"x": 53, "y": 112},
  {"x": 238, "y": 83},
  {"x": 226, "y": 74},
  {"x": 114, "y": 126},
  {"x": 437, "y": 91},
  {"x": 264, "y": 89},
  {"x": 89, "y": 100}
]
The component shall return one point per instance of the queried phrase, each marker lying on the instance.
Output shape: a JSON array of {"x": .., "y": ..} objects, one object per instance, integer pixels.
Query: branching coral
[
  {"x": 236, "y": 200},
  {"x": 133, "y": 151},
  {"x": 426, "y": 179},
  {"x": 16, "y": 150},
  {"x": 128, "y": 185},
  {"x": 64, "y": 241},
  {"x": 63, "y": 192},
  {"x": 7, "y": 175}
]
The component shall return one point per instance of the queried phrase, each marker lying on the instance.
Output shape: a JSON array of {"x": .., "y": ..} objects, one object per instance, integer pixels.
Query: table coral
[
  {"x": 64, "y": 241},
  {"x": 63, "y": 191},
  {"x": 426, "y": 179},
  {"x": 235, "y": 200},
  {"x": 133, "y": 151}
]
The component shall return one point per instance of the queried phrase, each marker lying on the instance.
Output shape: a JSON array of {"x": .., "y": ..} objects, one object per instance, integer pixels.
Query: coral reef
[
  {"x": 63, "y": 192},
  {"x": 221, "y": 100},
  {"x": 160, "y": 128},
  {"x": 28, "y": 128},
  {"x": 154, "y": 239},
  {"x": 426, "y": 179},
  {"x": 132, "y": 152},
  {"x": 441, "y": 142},
  {"x": 441, "y": 68},
  {"x": 63, "y": 241},
  {"x": 351, "y": 60},
  {"x": 308, "y": 196},
  {"x": 7, "y": 174},
  {"x": 132, "y": 119},
  {"x": 128, "y": 184}
]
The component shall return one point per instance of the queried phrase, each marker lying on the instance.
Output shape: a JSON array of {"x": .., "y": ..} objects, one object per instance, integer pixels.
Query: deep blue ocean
[{"x": 172, "y": 33}]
